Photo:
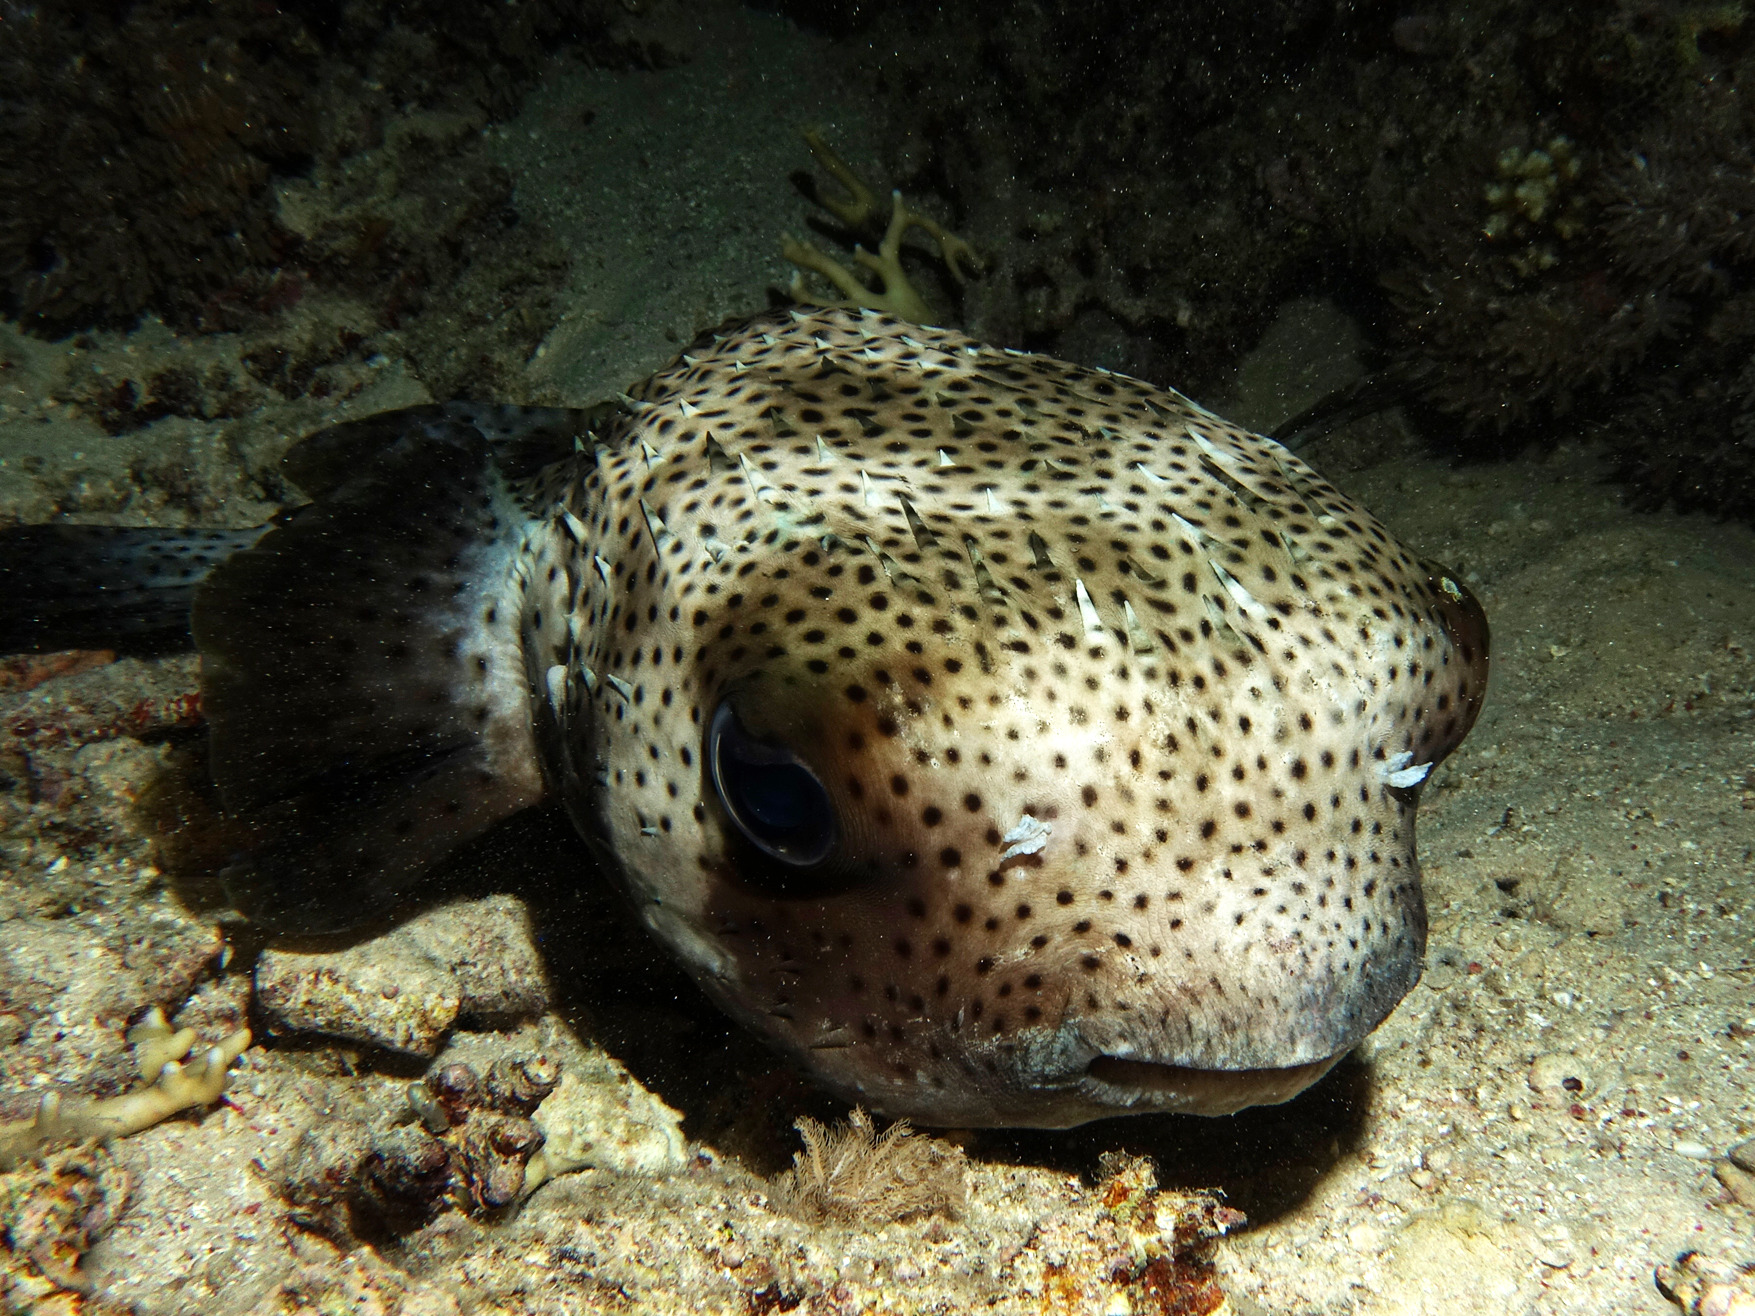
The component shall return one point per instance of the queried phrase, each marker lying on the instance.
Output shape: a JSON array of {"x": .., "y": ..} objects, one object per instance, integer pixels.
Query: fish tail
[{"x": 106, "y": 587}]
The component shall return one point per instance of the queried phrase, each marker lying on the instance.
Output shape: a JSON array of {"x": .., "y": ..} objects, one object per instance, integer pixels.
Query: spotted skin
[{"x": 1122, "y": 710}]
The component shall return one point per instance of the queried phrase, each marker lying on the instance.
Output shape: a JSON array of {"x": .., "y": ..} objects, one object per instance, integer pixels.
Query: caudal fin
[
  {"x": 105, "y": 587},
  {"x": 362, "y": 674}
]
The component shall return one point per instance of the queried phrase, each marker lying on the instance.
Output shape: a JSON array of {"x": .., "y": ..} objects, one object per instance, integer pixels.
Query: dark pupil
[
  {"x": 781, "y": 796},
  {"x": 775, "y": 800}
]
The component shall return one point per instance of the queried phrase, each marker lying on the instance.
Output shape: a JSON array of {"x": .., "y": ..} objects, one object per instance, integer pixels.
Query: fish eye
[{"x": 775, "y": 800}]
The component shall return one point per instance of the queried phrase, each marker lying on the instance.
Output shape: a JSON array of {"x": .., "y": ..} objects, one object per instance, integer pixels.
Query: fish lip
[{"x": 1125, "y": 1081}]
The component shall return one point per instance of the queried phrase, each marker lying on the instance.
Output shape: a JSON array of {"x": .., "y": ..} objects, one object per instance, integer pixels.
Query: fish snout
[{"x": 934, "y": 939}]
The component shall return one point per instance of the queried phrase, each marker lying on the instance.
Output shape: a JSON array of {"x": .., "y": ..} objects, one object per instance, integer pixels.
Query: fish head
[{"x": 1011, "y": 743}]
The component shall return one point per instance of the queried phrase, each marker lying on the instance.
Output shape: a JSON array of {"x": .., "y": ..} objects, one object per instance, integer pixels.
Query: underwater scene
[{"x": 861, "y": 656}]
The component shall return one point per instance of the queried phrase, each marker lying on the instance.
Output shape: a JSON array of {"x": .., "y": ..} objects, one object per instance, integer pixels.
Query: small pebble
[
  {"x": 1694, "y": 1151},
  {"x": 1738, "y": 1182},
  {"x": 1559, "y": 1074},
  {"x": 1743, "y": 1155}
]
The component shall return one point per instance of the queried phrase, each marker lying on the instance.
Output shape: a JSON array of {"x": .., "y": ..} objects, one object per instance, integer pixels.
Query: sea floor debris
[{"x": 1705, "y": 1286}]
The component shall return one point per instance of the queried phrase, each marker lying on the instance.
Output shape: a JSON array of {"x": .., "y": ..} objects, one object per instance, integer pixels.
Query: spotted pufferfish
[{"x": 1007, "y": 742}]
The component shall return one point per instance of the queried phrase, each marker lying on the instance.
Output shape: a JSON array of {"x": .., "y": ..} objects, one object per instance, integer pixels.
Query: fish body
[{"x": 1008, "y": 742}]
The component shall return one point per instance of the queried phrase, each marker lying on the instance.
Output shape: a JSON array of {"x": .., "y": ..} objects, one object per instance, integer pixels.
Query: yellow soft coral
[
  {"x": 158, "y": 1053},
  {"x": 858, "y": 210}
]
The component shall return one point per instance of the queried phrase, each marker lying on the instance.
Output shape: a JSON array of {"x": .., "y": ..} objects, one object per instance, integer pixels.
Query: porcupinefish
[{"x": 1008, "y": 742}]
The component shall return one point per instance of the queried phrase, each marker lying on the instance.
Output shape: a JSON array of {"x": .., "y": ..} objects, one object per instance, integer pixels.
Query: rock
[
  {"x": 1738, "y": 1182},
  {"x": 70, "y": 988},
  {"x": 382, "y": 992},
  {"x": 598, "y": 1115},
  {"x": 473, "y": 960},
  {"x": 1560, "y": 1076},
  {"x": 1743, "y": 1155},
  {"x": 1706, "y": 1286},
  {"x": 607, "y": 1120},
  {"x": 320, "y": 1173},
  {"x": 488, "y": 948}
]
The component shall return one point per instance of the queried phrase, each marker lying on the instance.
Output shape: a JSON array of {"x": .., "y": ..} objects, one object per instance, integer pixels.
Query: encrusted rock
[
  {"x": 383, "y": 992},
  {"x": 591, "y": 1111},
  {"x": 1706, "y": 1286},
  {"x": 403, "y": 991},
  {"x": 608, "y": 1121},
  {"x": 70, "y": 988},
  {"x": 487, "y": 947},
  {"x": 407, "y": 1172},
  {"x": 491, "y": 1157},
  {"x": 518, "y": 1085},
  {"x": 321, "y": 1173},
  {"x": 50, "y": 1215}
]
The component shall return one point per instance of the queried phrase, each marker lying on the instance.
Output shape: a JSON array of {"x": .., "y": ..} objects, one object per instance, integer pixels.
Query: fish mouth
[{"x": 1154, "y": 1085}]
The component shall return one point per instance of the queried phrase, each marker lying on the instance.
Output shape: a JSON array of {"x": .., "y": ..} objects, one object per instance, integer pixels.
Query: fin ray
[{"x": 362, "y": 674}]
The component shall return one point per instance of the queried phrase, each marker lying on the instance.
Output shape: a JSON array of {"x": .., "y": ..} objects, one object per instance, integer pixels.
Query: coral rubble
[{"x": 50, "y": 1215}]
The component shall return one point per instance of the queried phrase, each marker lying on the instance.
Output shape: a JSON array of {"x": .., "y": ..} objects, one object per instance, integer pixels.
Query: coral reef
[
  {"x": 140, "y": 143},
  {"x": 1121, "y": 162},
  {"x": 1536, "y": 214}
]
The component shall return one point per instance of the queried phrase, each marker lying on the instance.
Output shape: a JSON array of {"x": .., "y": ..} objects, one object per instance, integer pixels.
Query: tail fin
[
  {"x": 1363, "y": 397},
  {"x": 362, "y": 672},
  {"x": 105, "y": 587}
]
